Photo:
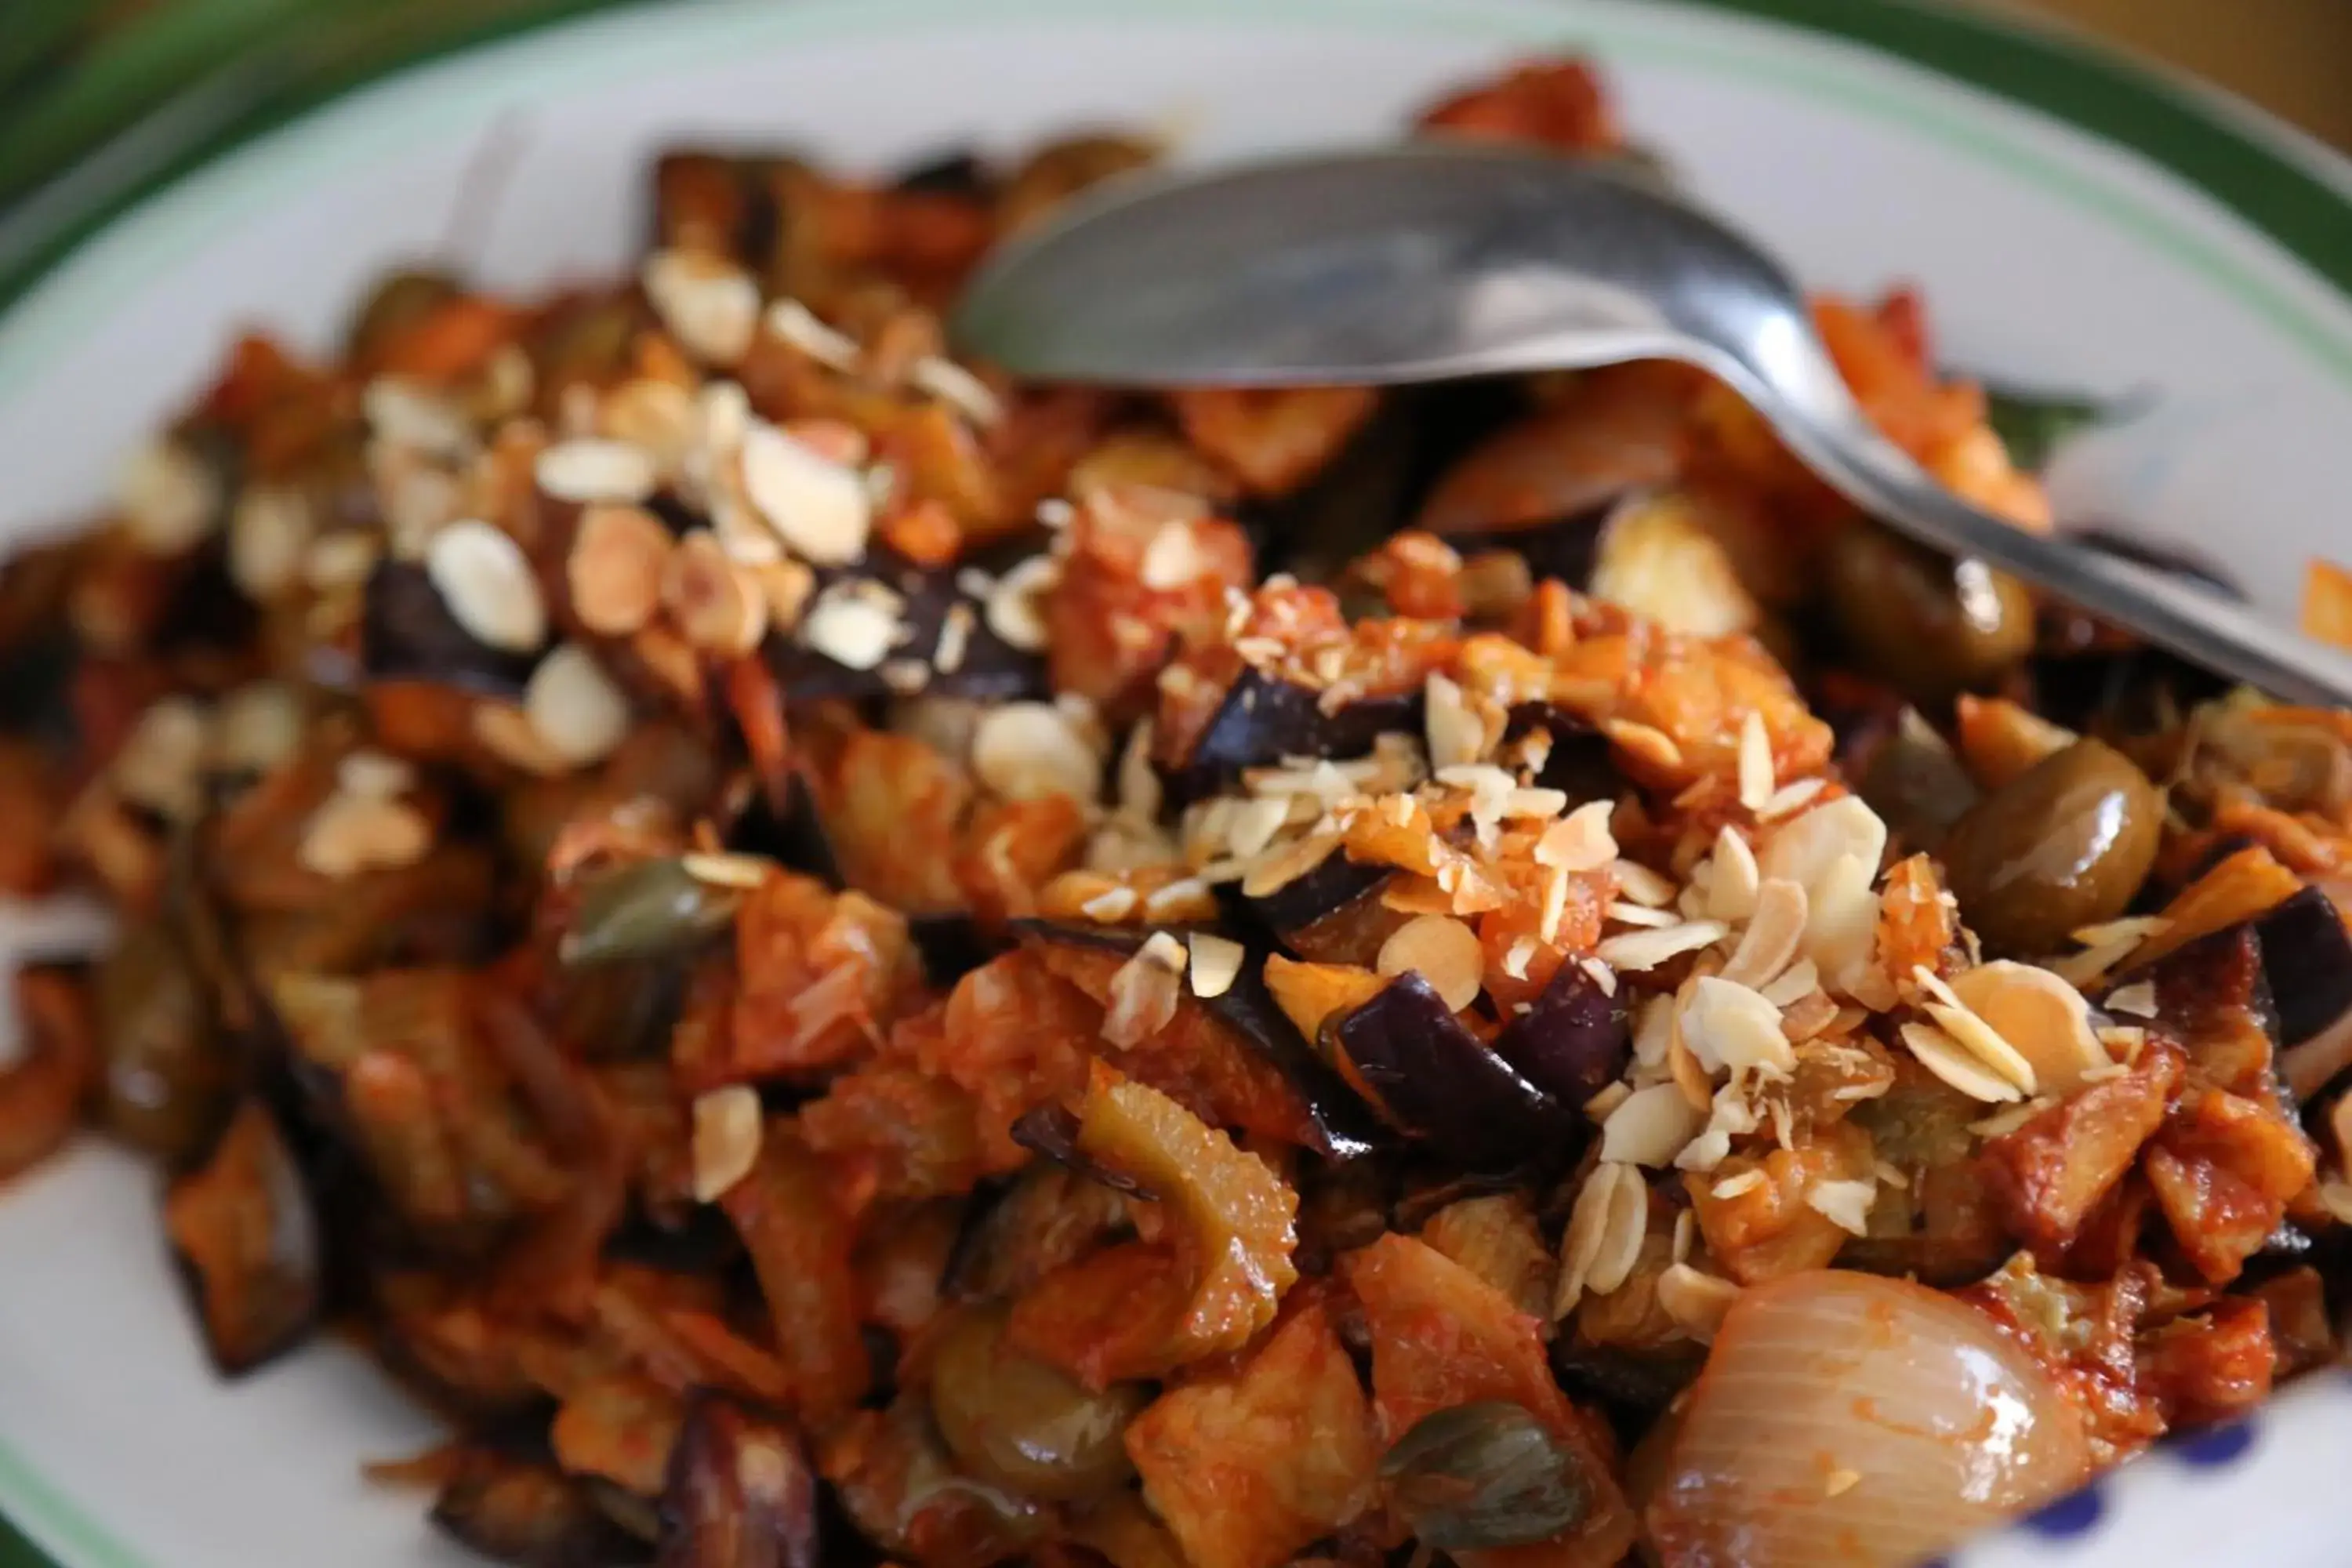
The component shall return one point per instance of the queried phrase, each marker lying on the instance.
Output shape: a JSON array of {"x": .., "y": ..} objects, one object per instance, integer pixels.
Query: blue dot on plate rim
[
  {"x": 2214, "y": 1446},
  {"x": 2075, "y": 1514}
]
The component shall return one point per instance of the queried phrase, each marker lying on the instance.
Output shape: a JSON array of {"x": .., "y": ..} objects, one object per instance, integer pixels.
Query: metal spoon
[{"x": 1429, "y": 262}]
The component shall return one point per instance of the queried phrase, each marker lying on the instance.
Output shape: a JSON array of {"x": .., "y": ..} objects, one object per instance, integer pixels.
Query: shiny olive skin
[
  {"x": 167, "y": 1077},
  {"x": 1931, "y": 625},
  {"x": 2067, "y": 843},
  {"x": 398, "y": 302},
  {"x": 1014, "y": 1422}
]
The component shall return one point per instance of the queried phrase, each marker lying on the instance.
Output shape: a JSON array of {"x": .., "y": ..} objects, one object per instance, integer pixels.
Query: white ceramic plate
[{"x": 2075, "y": 226}]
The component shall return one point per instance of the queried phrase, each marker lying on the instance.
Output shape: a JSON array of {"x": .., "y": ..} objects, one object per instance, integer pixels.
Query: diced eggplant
[
  {"x": 1309, "y": 912},
  {"x": 526, "y": 1511},
  {"x": 951, "y": 945},
  {"x": 1574, "y": 1041},
  {"x": 1342, "y": 1128},
  {"x": 1441, "y": 1083},
  {"x": 740, "y": 1492},
  {"x": 407, "y": 633},
  {"x": 1909, "y": 775},
  {"x": 1051, "y": 1130},
  {"x": 1634, "y": 1387},
  {"x": 958, "y": 173},
  {"x": 1264, "y": 720},
  {"x": 1645, "y": 552},
  {"x": 2307, "y": 957},
  {"x": 1578, "y": 762},
  {"x": 245, "y": 1236},
  {"x": 988, "y": 667}
]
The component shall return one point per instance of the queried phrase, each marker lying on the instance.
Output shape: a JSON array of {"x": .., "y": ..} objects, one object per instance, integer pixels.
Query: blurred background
[{"x": 114, "y": 95}]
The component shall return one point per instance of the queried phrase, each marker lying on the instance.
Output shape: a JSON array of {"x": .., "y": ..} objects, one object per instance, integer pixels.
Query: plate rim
[{"x": 2267, "y": 176}]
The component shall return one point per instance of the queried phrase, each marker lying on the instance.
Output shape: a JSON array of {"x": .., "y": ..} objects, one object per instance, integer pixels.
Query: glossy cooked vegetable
[
  {"x": 1929, "y": 625},
  {"x": 2065, "y": 844}
]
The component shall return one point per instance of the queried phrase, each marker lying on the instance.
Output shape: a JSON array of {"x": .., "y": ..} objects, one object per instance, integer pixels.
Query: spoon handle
[{"x": 2175, "y": 612}]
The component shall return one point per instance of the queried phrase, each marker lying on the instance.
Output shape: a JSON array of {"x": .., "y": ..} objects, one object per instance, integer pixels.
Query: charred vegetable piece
[
  {"x": 242, "y": 1226},
  {"x": 740, "y": 1493},
  {"x": 1578, "y": 760},
  {"x": 1573, "y": 1042},
  {"x": 1439, "y": 1082},
  {"x": 407, "y": 631},
  {"x": 1931, "y": 625},
  {"x": 2064, "y": 845},
  {"x": 1052, "y": 1131},
  {"x": 1263, "y": 718},
  {"x": 1483, "y": 1475},
  {"x": 529, "y": 1513},
  {"x": 1014, "y": 1422},
  {"x": 1312, "y": 913},
  {"x": 1342, "y": 1129},
  {"x": 922, "y": 600},
  {"x": 168, "y": 1077},
  {"x": 2307, "y": 957},
  {"x": 651, "y": 909}
]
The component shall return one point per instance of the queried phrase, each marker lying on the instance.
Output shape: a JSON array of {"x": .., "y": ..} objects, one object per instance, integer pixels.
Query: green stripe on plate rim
[{"x": 2235, "y": 159}]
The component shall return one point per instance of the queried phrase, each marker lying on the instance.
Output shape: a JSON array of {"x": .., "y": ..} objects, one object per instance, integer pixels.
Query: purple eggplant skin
[
  {"x": 1263, "y": 718},
  {"x": 2307, "y": 957},
  {"x": 407, "y": 633},
  {"x": 740, "y": 1493},
  {"x": 1052, "y": 1132},
  {"x": 1579, "y": 762},
  {"x": 262, "y": 1302},
  {"x": 1574, "y": 1041},
  {"x": 1344, "y": 1129},
  {"x": 526, "y": 1512},
  {"x": 1441, "y": 1082},
  {"x": 990, "y": 669},
  {"x": 1299, "y": 903}
]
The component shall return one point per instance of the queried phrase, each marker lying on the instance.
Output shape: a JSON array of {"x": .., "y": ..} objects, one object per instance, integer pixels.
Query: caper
[
  {"x": 1013, "y": 1421},
  {"x": 2067, "y": 843},
  {"x": 652, "y": 907},
  {"x": 167, "y": 1077},
  {"x": 398, "y": 302},
  {"x": 1482, "y": 1475},
  {"x": 1931, "y": 625}
]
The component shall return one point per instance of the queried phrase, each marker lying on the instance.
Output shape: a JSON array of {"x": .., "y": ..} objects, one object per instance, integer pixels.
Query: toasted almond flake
[
  {"x": 1686, "y": 1234},
  {"x": 952, "y": 384},
  {"x": 955, "y": 638},
  {"x": 169, "y": 499},
  {"x": 488, "y": 585},
  {"x": 727, "y": 1138},
  {"x": 160, "y": 764},
  {"x": 259, "y": 727},
  {"x": 1649, "y": 1127},
  {"x": 575, "y": 707},
  {"x": 786, "y": 587},
  {"x": 1653, "y": 1033},
  {"x": 1015, "y": 608},
  {"x": 819, "y": 508},
  {"x": 339, "y": 562},
  {"x": 1773, "y": 933},
  {"x": 1441, "y": 950},
  {"x": 716, "y": 868},
  {"x": 2137, "y": 999},
  {"x": 1842, "y": 931},
  {"x": 1732, "y": 1187},
  {"x": 1216, "y": 964},
  {"x": 2105, "y": 1071},
  {"x": 657, "y": 417},
  {"x": 2002, "y": 1123},
  {"x": 1736, "y": 880},
  {"x": 506, "y": 733},
  {"x": 1029, "y": 751},
  {"x": 1144, "y": 991},
  {"x": 1644, "y": 743},
  {"x": 1284, "y": 864},
  {"x": 1111, "y": 904},
  {"x": 710, "y": 305},
  {"x": 2044, "y": 1019},
  {"x": 1631, "y": 914},
  {"x": 1706, "y": 1152},
  {"x": 1794, "y": 984},
  {"x": 1530, "y": 805},
  {"x": 1255, "y": 823},
  {"x": 854, "y": 630},
  {"x": 1984, "y": 1042},
  {"x": 1601, "y": 1105},
  {"x": 2133, "y": 929},
  {"x": 716, "y": 604},
  {"x": 1514, "y": 957},
  {"x": 1186, "y": 897},
  {"x": 1845, "y": 1204},
  {"x": 1600, "y": 973},
  {"x": 1729, "y": 1027},
  {"x": 1957, "y": 1065},
  {"x": 1555, "y": 904},
  {"x": 615, "y": 570},
  {"x": 1697, "y": 1302},
  {"x": 350, "y": 834},
  {"x": 1604, "y": 1237},
  {"x": 794, "y": 323},
  {"x": 268, "y": 532},
  {"x": 371, "y": 773},
  {"x": 1639, "y": 951},
  {"x": 1456, "y": 736},
  {"x": 1807, "y": 850},
  {"x": 1755, "y": 781},
  {"x": 1641, "y": 885},
  {"x": 587, "y": 470},
  {"x": 1055, "y": 512},
  {"x": 1789, "y": 799}
]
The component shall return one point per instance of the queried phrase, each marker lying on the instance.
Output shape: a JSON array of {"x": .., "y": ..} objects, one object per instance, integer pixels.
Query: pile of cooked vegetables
[{"x": 843, "y": 959}]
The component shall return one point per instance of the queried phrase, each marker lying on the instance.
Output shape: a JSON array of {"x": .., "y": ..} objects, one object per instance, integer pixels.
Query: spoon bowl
[{"x": 1440, "y": 260}]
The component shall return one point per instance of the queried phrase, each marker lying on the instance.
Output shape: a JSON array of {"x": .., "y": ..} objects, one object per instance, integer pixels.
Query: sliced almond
[
  {"x": 1957, "y": 1065},
  {"x": 1144, "y": 991},
  {"x": 2137, "y": 1000},
  {"x": 709, "y": 304},
  {"x": 794, "y": 322},
  {"x": 715, "y": 604},
  {"x": 352, "y": 833},
  {"x": 1774, "y": 934},
  {"x": 1015, "y": 606},
  {"x": 1756, "y": 780},
  {"x": 268, "y": 535},
  {"x": 1845, "y": 1204},
  {"x": 1639, "y": 951},
  {"x": 952, "y": 384},
  {"x": 168, "y": 497},
  {"x": 1737, "y": 880},
  {"x": 2047, "y": 1021},
  {"x": 1604, "y": 1234},
  {"x": 1442, "y": 951},
  {"x": 371, "y": 773},
  {"x": 1456, "y": 736},
  {"x": 1285, "y": 863},
  {"x": 1216, "y": 964},
  {"x": 821, "y": 510},
  {"x": 588, "y": 469},
  {"x": 1806, "y": 850},
  {"x": 1649, "y": 1127},
  {"x": 615, "y": 570},
  {"x": 1729, "y": 1027},
  {"x": 487, "y": 582},
  {"x": 1028, "y": 751},
  {"x": 727, "y": 1138},
  {"x": 1697, "y": 1302},
  {"x": 575, "y": 707},
  {"x": 714, "y": 869},
  {"x": 857, "y": 630}
]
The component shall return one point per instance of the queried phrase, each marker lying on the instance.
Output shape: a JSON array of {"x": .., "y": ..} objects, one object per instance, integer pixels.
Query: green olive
[
  {"x": 1931, "y": 625},
  {"x": 398, "y": 301},
  {"x": 1014, "y": 1422},
  {"x": 167, "y": 1076},
  {"x": 1484, "y": 1474},
  {"x": 2067, "y": 843},
  {"x": 640, "y": 910}
]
